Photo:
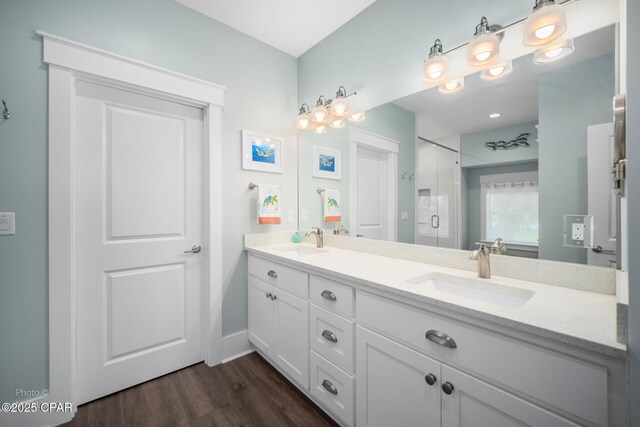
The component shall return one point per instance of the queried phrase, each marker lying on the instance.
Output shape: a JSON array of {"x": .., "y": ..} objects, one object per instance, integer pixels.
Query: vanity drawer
[
  {"x": 333, "y": 387},
  {"x": 568, "y": 383},
  {"x": 285, "y": 278},
  {"x": 332, "y": 336},
  {"x": 332, "y": 295}
]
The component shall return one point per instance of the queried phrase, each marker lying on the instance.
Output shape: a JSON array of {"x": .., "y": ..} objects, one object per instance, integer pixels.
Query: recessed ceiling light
[{"x": 495, "y": 115}]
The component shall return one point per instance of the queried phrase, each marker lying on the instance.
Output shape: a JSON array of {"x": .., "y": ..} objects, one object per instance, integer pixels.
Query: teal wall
[
  {"x": 262, "y": 96},
  {"x": 633, "y": 157},
  {"x": 387, "y": 120},
  {"x": 570, "y": 99},
  {"x": 473, "y": 195},
  {"x": 474, "y": 153}
]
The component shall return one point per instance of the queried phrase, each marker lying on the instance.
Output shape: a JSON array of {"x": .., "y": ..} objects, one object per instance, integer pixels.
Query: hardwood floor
[{"x": 244, "y": 392}]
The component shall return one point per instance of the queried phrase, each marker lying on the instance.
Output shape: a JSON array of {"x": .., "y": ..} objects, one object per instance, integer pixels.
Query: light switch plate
[
  {"x": 291, "y": 215},
  {"x": 578, "y": 231},
  {"x": 304, "y": 215},
  {"x": 404, "y": 216},
  {"x": 7, "y": 223}
]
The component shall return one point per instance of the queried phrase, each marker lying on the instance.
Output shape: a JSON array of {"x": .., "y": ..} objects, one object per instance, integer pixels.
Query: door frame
[
  {"x": 371, "y": 141},
  {"x": 69, "y": 61}
]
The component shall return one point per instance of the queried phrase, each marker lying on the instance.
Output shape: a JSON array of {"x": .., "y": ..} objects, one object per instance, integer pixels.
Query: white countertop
[{"x": 578, "y": 318}]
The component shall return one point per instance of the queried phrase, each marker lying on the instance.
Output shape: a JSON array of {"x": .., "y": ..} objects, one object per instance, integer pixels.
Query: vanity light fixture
[
  {"x": 497, "y": 71},
  {"x": 452, "y": 86},
  {"x": 320, "y": 130},
  {"x": 495, "y": 115},
  {"x": 339, "y": 107},
  {"x": 357, "y": 117},
  {"x": 303, "y": 121},
  {"x": 485, "y": 46},
  {"x": 547, "y": 22},
  {"x": 336, "y": 123},
  {"x": 320, "y": 115},
  {"x": 554, "y": 52},
  {"x": 436, "y": 67}
]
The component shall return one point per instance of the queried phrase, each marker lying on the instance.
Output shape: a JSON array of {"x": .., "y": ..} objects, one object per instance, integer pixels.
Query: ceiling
[
  {"x": 515, "y": 96},
  {"x": 293, "y": 26}
]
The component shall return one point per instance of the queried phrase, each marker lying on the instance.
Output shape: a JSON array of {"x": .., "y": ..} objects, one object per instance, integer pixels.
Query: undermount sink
[
  {"x": 301, "y": 251},
  {"x": 479, "y": 290}
]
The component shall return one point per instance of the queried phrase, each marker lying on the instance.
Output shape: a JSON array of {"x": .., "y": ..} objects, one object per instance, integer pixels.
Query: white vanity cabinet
[
  {"x": 279, "y": 324},
  {"x": 370, "y": 357}
]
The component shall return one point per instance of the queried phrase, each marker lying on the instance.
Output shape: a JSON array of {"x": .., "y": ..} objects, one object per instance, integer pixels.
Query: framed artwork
[
  {"x": 261, "y": 152},
  {"x": 327, "y": 163}
]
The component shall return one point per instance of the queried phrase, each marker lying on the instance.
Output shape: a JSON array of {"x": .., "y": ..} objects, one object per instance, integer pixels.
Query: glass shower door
[{"x": 437, "y": 195}]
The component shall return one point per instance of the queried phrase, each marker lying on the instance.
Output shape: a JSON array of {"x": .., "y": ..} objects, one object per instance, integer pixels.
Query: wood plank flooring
[{"x": 244, "y": 392}]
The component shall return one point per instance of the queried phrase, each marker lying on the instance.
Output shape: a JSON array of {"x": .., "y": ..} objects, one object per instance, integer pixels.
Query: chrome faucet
[
  {"x": 339, "y": 229},
  {"x": 319, "y": 236},
  {"x": 497, "y": 247},
  {"x": 484, "y": 265}
]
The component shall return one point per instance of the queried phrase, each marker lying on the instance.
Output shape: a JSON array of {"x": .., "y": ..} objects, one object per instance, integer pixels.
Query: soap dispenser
[{"x": 296, "y": 238}]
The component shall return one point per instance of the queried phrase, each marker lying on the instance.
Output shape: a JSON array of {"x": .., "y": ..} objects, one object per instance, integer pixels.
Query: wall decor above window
[{"x": 519, "y": 141}]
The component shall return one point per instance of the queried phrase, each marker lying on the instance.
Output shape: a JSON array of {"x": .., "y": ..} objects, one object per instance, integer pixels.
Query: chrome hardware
[
  {"x": 268, "y": 295},
  {"x": 484, "y": 264},
  {"x": 328, "y": 385},
  {"x": 440, "y": 338},
  {"x": 340, "y": 229},
  {"x": 272, "y": 274},
  {"x": 6, "y": 114},
  {"x": 319, "y": 236},
  {"x": 497, "y": 247},
  {"x": 329, "y": 336},
  {"x": 599, "y": 250},
  {"x": 327, "y": 294},
  {"x": 359, "y": 235},
  {"x": 435, "y": 221},
  {"x": 430, "y": 379},
  {"x": 448, "y": 387},
  {"x": 194, "y": 249}
]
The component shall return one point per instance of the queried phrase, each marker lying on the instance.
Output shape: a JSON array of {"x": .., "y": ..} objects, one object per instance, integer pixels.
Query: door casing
[{"x": 69, "y": 61}]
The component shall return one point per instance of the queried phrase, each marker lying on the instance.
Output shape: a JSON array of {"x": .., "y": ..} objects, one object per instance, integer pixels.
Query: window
[{"x": 510, "y": 207}]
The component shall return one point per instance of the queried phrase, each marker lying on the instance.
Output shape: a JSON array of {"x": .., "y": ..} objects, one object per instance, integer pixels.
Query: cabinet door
[
  {"x": 261, "y": 315},
  {"x": 475, "y": 403},
  {"x": 292, "y": 339},
  {"x": 391, "y": 384}
]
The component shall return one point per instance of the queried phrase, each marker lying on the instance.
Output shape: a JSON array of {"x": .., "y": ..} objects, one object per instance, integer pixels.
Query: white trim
[
  {"x": 373, "y": 141},
  {"x": 360, "y": 138},
  {"x": 236, "y": 345},
  {"x": 67, "y": 62}
]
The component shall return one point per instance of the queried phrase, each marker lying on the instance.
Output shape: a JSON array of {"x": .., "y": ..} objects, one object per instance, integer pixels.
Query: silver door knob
[{"x": 194, "y": 249}]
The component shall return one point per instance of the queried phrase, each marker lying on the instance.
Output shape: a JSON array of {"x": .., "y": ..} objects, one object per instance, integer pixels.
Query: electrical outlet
[
  {"x": 577, "y": 231},
  {"x": 7, "y": 223}
]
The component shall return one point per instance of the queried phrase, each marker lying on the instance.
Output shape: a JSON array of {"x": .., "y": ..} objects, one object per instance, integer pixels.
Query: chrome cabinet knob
[
  {"x": 328, "y": 385},
  {"x": 430, "y": 379},
  {"x": 447, "y": 388},
  {"x": 329, "y": 336},
  {"x": 273, "y": 274},
  {"x": 194, "y": 249},
  {"x": 327, "y": 294}
]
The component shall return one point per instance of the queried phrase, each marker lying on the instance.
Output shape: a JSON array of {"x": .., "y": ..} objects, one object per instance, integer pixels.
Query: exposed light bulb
[
  {"x": 482, "y": 56},
  {"x": 452, "y": 86},
  {"x": 337, "y": 123},
  {"x": 554, "y": 52},
  {"x": 320, "y": 115},
  {"x": 496, "y": 71},
  {"x": 544, "y": 32},
  {"x": 303, "y": 122},
  {"x": 339, "y": 107},
  {"x": 357, "y": 117},
  {"x": 320, "y": 130}
]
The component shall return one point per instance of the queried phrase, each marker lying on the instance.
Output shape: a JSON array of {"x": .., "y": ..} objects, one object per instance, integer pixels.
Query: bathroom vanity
[{"x": 376, "y": 340}]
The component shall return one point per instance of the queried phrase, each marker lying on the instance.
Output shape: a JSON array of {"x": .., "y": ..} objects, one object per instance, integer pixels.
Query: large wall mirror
[{"x": 503, "y": 159}]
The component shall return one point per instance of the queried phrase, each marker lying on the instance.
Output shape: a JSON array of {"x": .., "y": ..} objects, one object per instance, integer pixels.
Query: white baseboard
[{"x": 236, "y": 345}]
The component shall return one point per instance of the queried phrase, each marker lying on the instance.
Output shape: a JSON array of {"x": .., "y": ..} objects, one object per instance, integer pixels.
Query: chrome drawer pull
[
  {"x": 328, "y": 295},
  {"x": 440, "y": 338},
  {"x": 329, "y": 336},
  {"x": 273, "y": 274},
  {"x": 328, "y": 385}
]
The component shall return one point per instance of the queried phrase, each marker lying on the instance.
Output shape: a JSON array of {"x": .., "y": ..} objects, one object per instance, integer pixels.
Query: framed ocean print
[
  {"x": 327, "y": 163},
  {"x": 261, "y": 152}
]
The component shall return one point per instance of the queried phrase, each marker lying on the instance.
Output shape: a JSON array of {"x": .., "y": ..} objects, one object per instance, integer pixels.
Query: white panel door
[
  {"x": 391, "y": 384},
  {"x": 261, "y": 315},
  {"x": 292, "y": 329},
  {"x": 372, "y": 190},
  {"x": 601, "y": 199},
  {"x": 139, "y": 204},
  {"x": 473, "y": 403}
]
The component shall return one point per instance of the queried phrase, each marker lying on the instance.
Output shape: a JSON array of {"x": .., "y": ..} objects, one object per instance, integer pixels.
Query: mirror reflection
[{"x": 500, "y": 162}]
